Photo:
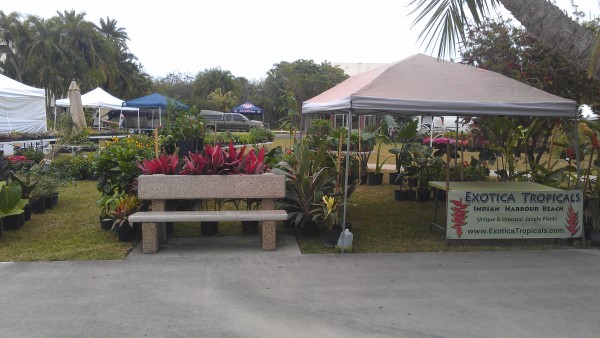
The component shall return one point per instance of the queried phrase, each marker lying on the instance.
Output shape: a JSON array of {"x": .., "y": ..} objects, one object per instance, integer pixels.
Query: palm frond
[{"x": 446, "y": 21}]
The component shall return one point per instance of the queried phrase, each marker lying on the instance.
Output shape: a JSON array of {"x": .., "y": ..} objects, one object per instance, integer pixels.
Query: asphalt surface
[{"x": 228, "y": 287}]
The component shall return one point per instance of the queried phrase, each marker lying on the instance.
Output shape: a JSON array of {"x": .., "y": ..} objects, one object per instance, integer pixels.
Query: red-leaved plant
[
  {"x": 252, "y": 165},
  {"x": 217, "y": 161},
  {"x": 164, "y": 164}
]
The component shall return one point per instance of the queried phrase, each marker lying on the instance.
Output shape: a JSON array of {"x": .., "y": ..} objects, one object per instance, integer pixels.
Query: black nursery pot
[
  {"x": 11, "y": 222},
  {"x": 423, "y": 195},
  {"x": 374, "y": 179},
  {"x": 126, "y": 233},
  {"x": 396, "y": 178},
  {"x": 209, "y": 228},
  {"x": 310, "y": 229},
  {"x": 401, "y": 195},
  {"x": 38, "y": 206},
  {"x": 106, "y": 223},
  {"x": 27, "y": 212},
  {"x": 250, "y": 227}
]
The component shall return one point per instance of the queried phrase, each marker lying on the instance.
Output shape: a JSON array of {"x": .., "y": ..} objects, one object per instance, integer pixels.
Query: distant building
[{"x": 355, "y": 68}]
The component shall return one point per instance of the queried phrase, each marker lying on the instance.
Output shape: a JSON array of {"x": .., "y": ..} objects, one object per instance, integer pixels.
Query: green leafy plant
[
  {"x": 115, "y": 165},
  {"x": 306, "y": 183}
]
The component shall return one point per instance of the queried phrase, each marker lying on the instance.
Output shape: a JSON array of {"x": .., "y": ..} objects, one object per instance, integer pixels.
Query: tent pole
[
  {"x": 431, "y": 133},
  {"x": 346, "y": 176},
  {"x": 456, "y": 146},
  {"x": 159, "y": 116},
  {"x": 577, "y": 155},
  {"x": 138, "y": 111},
  {"x": 578, "y": 186},
  {"x": 54, "y": 130},
  {"x": 99, "y": 119}
]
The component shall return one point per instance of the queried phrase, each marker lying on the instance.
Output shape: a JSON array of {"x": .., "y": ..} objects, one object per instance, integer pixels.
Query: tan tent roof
[{"x": 421, "y": 84}]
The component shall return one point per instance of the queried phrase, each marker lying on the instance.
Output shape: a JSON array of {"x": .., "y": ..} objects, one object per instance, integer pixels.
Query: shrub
[
  {"x": 32, "y": 154},
  {"x": 261, "y": 135},
  {"x": 19, "y": 163},
  {"x": 77, "y": 167},
  {"x": 115, "y": 165},
  {"x": 318, "y": 132}
]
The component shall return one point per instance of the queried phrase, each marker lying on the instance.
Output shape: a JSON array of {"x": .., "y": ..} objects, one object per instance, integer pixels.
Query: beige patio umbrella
[{"x": 75, "y": 105}]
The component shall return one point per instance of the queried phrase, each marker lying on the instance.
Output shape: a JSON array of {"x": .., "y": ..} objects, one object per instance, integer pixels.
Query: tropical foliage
[{"x": 50, "y": 52}]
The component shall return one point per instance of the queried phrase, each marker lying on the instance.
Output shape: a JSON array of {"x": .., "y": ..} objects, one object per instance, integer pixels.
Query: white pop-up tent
[
  {"x": 22, "y": 108},
  {"x": 422, "y": 85},
  {"x": 101, "y": 100}
]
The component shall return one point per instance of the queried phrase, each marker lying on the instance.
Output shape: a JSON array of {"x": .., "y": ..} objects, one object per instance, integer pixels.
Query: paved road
[{"x": 189, "y": 290}]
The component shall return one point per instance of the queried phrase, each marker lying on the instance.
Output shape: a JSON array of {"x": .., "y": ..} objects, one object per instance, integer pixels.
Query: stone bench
[{"x": 159, "y": 188}]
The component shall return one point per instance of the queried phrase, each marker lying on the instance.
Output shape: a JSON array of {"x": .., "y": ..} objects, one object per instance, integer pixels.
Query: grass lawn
[{"x": 69, "y": 231}]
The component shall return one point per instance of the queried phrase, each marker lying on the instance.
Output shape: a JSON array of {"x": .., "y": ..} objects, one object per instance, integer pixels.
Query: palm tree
[
  {"x": 110, "y": 30},
  {"x": 10, "y": 29},
  {"x": 212, "y": 79},
  {"x": 447, "y": 20},
  {"x": 223, "y": 101},
  {"x": 45, "y": 63}
]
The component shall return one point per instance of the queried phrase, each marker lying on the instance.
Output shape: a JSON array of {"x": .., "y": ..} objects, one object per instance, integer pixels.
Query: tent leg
[{"x": 346, "y": 176}]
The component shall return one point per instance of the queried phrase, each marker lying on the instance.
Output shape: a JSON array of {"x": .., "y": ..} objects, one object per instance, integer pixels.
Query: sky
[{"x": 247, "y": 37}]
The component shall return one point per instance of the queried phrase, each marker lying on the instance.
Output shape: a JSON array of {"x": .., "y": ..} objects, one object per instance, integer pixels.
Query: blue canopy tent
[
  {"x": 155, "y": 100},
  {"x": 248, "y": 109}
]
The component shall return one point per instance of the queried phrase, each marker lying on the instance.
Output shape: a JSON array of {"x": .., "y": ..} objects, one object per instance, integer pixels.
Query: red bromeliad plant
[
  {"x": 216, "y": 161},
  {"x": 194, "y": 164},
  {"x": 252, "y": 165},
  {"x": 164, "y": 164}
]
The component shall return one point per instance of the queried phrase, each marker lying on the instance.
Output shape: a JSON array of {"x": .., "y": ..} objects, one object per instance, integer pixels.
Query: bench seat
[
  {"x": 208, "y": 216},
  {"x": 158, "y": 189}
]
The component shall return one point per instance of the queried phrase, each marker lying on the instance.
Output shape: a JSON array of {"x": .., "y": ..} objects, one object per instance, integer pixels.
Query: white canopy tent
[
  {"x": 22, "y": 108},
  {"x": 102, "y": 101},
  {"x": 422, "y": 85}
]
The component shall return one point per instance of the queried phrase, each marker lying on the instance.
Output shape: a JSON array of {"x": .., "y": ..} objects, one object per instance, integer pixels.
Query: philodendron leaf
[{"x": 10, "y": 195}]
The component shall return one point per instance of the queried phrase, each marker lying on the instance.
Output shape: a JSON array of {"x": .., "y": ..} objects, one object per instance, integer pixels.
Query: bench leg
[
  {"x": 160, "y": 205},
  {"x": 269, "y": 240},
  {"x": 269, "y": 236},
  {"x": 150, "y": 237}
]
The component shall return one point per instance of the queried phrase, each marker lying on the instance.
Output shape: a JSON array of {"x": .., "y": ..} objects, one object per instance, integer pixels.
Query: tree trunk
[{"x": 555, "y": 30}]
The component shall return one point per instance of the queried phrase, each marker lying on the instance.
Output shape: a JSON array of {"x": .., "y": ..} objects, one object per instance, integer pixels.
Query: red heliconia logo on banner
[{"x": 459, "y": 216}]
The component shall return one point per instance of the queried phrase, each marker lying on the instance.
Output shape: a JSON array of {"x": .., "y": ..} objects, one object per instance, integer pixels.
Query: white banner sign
[{"x": 514, "y": 214}]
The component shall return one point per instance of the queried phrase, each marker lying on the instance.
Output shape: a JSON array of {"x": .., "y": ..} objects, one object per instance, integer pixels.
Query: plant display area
[{"x": 315, "y": 173}]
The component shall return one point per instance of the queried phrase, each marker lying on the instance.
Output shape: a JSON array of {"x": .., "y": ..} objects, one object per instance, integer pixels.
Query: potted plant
[
  {"x": 11, "y": 204},
  {"x": 107, "y": 205},
  {"x": 430, "y": 170},
  {"x": 367, "y": 143},
  {"x": 402, "y": 135},
  {"x": 376, "y": 177},
  {"x": 328, "y": 215},
  {"x": 124, "y": 207},
  {"x": 188, "y": 132},
  {"x": 307, "y": 181}
]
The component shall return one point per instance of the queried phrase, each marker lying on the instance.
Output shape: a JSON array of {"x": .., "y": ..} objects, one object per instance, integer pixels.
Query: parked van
[{"x": 216, "y": 121}]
